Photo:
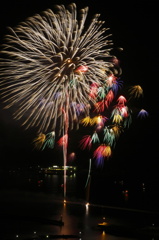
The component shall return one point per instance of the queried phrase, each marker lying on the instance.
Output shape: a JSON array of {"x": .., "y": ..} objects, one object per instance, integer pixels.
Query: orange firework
[{"x": 136, "y": 91}]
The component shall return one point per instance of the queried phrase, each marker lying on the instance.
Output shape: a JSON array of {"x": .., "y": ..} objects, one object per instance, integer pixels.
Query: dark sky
[{"x": 134, "y": 25}]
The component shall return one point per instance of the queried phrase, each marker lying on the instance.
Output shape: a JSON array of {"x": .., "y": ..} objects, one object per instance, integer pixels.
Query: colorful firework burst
[{"x": 57, "y": 70}]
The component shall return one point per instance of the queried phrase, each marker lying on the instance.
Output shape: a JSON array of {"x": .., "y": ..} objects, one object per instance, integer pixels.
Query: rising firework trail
[{"x": 57, "y": 72}]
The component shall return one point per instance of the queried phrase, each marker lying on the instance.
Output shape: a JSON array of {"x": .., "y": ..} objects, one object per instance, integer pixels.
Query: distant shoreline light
[{"x": 58, "y": 169}]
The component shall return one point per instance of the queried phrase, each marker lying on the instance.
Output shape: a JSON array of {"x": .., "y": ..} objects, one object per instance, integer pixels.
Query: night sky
[{"x": 134, "y": 25}]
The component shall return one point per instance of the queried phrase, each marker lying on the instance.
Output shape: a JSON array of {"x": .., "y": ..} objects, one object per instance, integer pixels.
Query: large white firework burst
[{"x": 48, "y": 64}]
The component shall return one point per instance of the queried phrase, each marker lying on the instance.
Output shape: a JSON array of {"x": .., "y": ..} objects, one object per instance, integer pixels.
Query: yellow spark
[
  {"x": 107, "y": 152},
  {"x": 117, "y": 130},
  {"x": 136, "y": 91},
  {"x": 86, "y": 121},
  {"x": 39, "y": 140},
  {"x": 117, "y": 118}
]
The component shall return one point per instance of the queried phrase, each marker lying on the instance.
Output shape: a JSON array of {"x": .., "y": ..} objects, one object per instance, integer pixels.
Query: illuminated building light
[{"x": 55, "y": 169}]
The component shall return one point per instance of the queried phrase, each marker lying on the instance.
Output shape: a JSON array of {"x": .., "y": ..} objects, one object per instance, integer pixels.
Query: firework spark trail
[
  {"x": 48, "y": 64},
  {"x": 40, "y": 59},
  {"x": 56, "y": 69}
]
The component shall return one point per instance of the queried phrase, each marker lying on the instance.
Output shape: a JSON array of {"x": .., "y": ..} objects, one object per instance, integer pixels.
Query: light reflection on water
[
  {"x": 16, "y": 205},
  {"x": 21, "y": 210}
]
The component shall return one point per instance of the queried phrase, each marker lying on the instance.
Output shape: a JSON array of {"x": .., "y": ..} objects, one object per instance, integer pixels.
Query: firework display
[{"x": 58, "y": 73}]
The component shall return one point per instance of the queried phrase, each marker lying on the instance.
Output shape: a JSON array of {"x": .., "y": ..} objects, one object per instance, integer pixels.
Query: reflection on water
[
  {"x": 21, "y": 212},
  {"x": 27, "y": 201},
  {"x": 100, "y": 190}
]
